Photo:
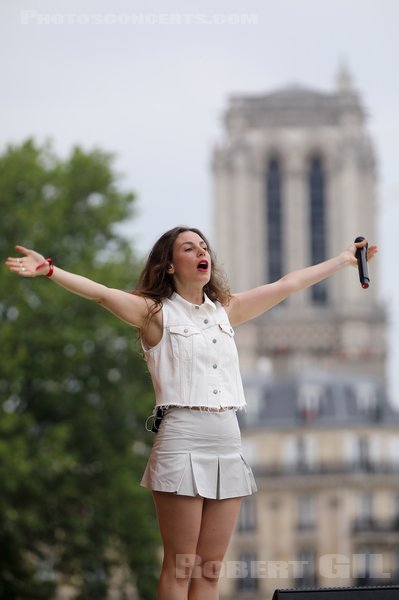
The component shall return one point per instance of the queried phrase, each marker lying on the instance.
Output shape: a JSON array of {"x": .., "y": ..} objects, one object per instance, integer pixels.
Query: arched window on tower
[
  {"x": 317, "y": 197},
  {"x": 274, "y": 221}
]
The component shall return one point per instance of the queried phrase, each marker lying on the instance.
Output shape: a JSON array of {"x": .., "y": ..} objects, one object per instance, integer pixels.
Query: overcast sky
[{"x": 85, "y": 72}]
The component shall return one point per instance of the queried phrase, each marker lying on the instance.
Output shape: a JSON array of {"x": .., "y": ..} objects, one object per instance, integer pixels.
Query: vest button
[
  {"x": 214, "y": 340},
  {"x": 215, "y": 366},
  {"x": 197, "y": 308},
  {"x": 215, "y": 391},
  {"x": 206, "y": 321},
  {"x": 186, "y": 331}
]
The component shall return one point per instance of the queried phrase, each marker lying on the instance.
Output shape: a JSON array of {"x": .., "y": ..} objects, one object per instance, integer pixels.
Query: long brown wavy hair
[{"x": 156, "y": 283}]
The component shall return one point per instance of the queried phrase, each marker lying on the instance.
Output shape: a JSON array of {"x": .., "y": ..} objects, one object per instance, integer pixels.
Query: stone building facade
[
  {"x": 325, "y": 454},
  {"x": 294, "y": 184}
]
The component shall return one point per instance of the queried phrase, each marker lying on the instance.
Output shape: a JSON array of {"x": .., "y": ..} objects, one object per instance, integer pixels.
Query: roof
[
  {"x": 293, "y": 105},
  {"x": 316, "y": 399}
]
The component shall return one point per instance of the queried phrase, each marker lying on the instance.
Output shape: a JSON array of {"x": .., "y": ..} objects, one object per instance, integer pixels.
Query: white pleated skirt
[{"x": 199, "y": 453}]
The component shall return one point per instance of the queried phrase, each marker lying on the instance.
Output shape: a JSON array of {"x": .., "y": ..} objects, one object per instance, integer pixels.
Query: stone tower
[{"x": 294, "y": 184}]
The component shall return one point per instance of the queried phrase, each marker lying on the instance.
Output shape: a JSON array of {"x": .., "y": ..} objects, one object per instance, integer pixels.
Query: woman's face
[{"x": 191, "y": 259}]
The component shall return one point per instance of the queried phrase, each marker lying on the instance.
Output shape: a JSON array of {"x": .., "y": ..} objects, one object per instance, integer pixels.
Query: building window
[
  {"x": 306, "y": 512},
  {"x": 247, "y": 580},
  {"x": 395, "y": 578},
  {"x": 393, "y": 451},
  {"x": 299, "y": 453},
  {"x": 255, "y": 401},
  {"x": 274, "y": 221},
  {"x": 289, "y": 453},
  {"x": 317, "y": 223},
  {"x": 369, "y": 567},
  {"x": 364, "y": 565},
  {"x": 365, "y": 510},
  {"x": 364, "y": 453},
  {"x": 305, "y": 452},
  {"x": 247, "y": 518},
  {"x": 306, "y": 569},
  {"x": 395, "y": 511}
]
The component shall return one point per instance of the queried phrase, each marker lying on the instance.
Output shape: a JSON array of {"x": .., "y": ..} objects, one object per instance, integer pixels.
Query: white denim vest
[{"x": 196, "y": 361}]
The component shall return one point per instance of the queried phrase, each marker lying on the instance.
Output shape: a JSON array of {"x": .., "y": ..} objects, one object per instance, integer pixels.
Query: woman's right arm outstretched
[{"x": 128, "y": 307}]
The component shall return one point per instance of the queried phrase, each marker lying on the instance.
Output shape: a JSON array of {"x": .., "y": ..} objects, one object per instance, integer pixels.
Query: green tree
[{"x": 74, "y": 391}]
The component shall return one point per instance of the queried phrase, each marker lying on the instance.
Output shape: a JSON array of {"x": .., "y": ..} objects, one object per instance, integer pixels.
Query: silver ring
[{"x": 23, "y": 269}]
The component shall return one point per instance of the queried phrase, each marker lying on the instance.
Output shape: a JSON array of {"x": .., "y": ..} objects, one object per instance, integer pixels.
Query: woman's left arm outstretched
[{"x": 252, "y": 303}]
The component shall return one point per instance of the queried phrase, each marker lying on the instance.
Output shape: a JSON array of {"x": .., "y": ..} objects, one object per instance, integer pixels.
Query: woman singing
[{"x": 185, "y": 314}]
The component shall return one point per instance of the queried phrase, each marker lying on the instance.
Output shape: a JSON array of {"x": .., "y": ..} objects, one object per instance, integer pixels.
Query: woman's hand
[
  {"x": 27, "y": 266},
  {"x": 349, "y": 254}
]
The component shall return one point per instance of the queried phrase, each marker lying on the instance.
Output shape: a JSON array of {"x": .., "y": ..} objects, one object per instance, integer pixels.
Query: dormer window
[
  {"x": 309, "y": 400},
  {"x": 366, "y": 397}
]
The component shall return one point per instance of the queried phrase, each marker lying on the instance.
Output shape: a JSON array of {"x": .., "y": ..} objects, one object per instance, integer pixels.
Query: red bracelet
[{"x": 51, "y": 269}]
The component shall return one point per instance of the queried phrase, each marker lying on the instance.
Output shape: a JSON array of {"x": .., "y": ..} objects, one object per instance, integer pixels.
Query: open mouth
[{"x": 203, "y": 266}]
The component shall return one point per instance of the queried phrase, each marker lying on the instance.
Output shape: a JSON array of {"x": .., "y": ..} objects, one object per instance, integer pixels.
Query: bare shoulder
[
  {"x": 148, "y": 310},
  {"x": 132, "y": 308},
  {"x": 152, "y": 329}
]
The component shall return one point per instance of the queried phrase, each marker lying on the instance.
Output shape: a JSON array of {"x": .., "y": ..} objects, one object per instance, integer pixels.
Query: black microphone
[{"x": 361, "y": 255}]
